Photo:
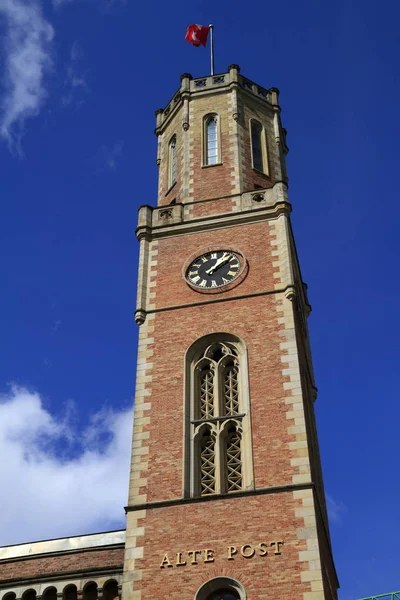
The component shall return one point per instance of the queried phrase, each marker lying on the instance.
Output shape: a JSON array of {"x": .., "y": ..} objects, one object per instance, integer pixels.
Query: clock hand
[{"x": 219, "y": 262}]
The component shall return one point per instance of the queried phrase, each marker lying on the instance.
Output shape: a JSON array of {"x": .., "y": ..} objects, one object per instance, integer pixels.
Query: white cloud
[
  {"x": 27, "y": 52},
  {"x": 57, "y": 480}
]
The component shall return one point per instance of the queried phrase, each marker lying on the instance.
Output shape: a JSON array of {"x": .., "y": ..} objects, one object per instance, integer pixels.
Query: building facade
[{"x": 226, "y": 497}]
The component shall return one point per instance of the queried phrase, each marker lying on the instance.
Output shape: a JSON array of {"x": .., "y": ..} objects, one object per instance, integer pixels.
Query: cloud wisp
[
  {"x": 72, "y": 481},
  {"x": 107, "y": 157},
  {"x": 27, "y": 60},
  {"x": 75, "y": 81},
  {"x": 336, "y": 510},
  {"x": 105, "y": 6}
]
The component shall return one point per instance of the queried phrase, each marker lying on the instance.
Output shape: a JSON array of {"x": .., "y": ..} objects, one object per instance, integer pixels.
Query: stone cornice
[
  {"x": 214, "y": 221},
  {"x": 215, "y": 498},
  {"x": 214, "y": 300}
]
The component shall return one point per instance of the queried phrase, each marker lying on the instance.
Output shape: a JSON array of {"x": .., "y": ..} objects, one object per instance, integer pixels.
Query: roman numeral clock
[{"x": 214, "y": 269}]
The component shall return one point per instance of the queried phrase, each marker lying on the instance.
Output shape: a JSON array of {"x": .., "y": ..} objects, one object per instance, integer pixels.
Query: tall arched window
[
  {"x": 217, "y": 417},
  {"x": 258, "y": 147},
  {"x": 212, "y": 146},
  {"x": 172, "y": 162}
]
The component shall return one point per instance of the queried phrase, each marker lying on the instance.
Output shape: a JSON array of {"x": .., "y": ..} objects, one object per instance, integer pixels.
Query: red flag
[{"x": 197, "y": 35}]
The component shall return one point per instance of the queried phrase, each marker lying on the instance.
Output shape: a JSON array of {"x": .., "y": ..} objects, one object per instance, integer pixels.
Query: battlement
[{"x": 212, "y": 84}]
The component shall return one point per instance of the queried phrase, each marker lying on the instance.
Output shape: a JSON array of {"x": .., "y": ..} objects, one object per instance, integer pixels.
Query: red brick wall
[
  {"x": 213, "y": 207},
  {"x": 29, "y": 568},
  {"x": 217, "y": 525},
  {"x": 252, "y": 239},
  {"x": 174, "y": 333}
]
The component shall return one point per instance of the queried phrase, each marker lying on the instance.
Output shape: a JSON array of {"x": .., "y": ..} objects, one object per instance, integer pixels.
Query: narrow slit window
[
  {"x": 257, "y": 146},
  {"x": 211, "y": 141},
  {"x": 172, "y": 162}
]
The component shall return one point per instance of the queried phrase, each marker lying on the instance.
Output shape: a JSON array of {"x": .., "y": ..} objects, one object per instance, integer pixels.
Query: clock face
[{"x": 214, "y": 269}]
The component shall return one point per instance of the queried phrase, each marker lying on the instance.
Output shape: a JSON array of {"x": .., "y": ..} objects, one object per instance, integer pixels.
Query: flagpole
[{"x": 212, "y": 47}]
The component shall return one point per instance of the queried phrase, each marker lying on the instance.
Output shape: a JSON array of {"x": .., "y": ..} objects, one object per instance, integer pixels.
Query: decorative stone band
[
  {"x": 103, "y": 587},
  {"x": 246, "y": 208}
]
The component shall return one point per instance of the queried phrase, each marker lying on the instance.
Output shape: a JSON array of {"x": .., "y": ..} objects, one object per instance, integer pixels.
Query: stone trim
[
  {"x": 141, "y": 436},
  {"x": 234, "y": 150},
  {"x": 132, "y": 577},
  {"x": 216, "y": 497},
  {"x": 49, "y": 554},
  {"x": 189, "y": 192},
  {"x": 310, "y": 558},
  {"x": 62, "y": 545},
  {"x": 211, "y": 299},
  {"x": 245, "y": 216}
]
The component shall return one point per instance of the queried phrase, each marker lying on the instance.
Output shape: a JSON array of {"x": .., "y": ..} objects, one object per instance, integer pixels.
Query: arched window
[
  {"x": 258, "y": 147},
  {"x": 212, "y": 145},
  {"x": 50, "y": 594},
  {"x": 172, "y": 162},
  {"x": 90, "y": 591},
  {"x": 217, "y": 417},
  {"x": 110, "y": 590},
  {"x": 70, "y": 592},
  {"x": 221, "y": 588}
]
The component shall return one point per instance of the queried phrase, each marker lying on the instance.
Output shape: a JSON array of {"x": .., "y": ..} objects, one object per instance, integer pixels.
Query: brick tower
[{"x": 226, "y": 497}]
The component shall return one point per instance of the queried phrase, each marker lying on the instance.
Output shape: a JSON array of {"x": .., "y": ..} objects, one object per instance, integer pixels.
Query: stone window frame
[
  {"x": 220, "y": 583},
  {"x": 206, "y": 120},
  {"x": 263, "y": 144},
  {"x": 219, "y": 427},
  {"x": 172, "y": 161}
]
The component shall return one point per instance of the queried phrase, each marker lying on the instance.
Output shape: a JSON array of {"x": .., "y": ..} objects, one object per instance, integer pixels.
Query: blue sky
[{"x": 80, "y": 81}]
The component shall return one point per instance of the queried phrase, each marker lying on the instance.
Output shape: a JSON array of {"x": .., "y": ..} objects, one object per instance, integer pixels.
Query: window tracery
[
  {"x": 207, "y": 463},
  {"x": 233, "y": 460},
  {"x": 219, "y": 406}
]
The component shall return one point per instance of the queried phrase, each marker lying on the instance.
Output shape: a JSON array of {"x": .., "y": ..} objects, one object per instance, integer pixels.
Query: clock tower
[{"x": 226, "y": 497}]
